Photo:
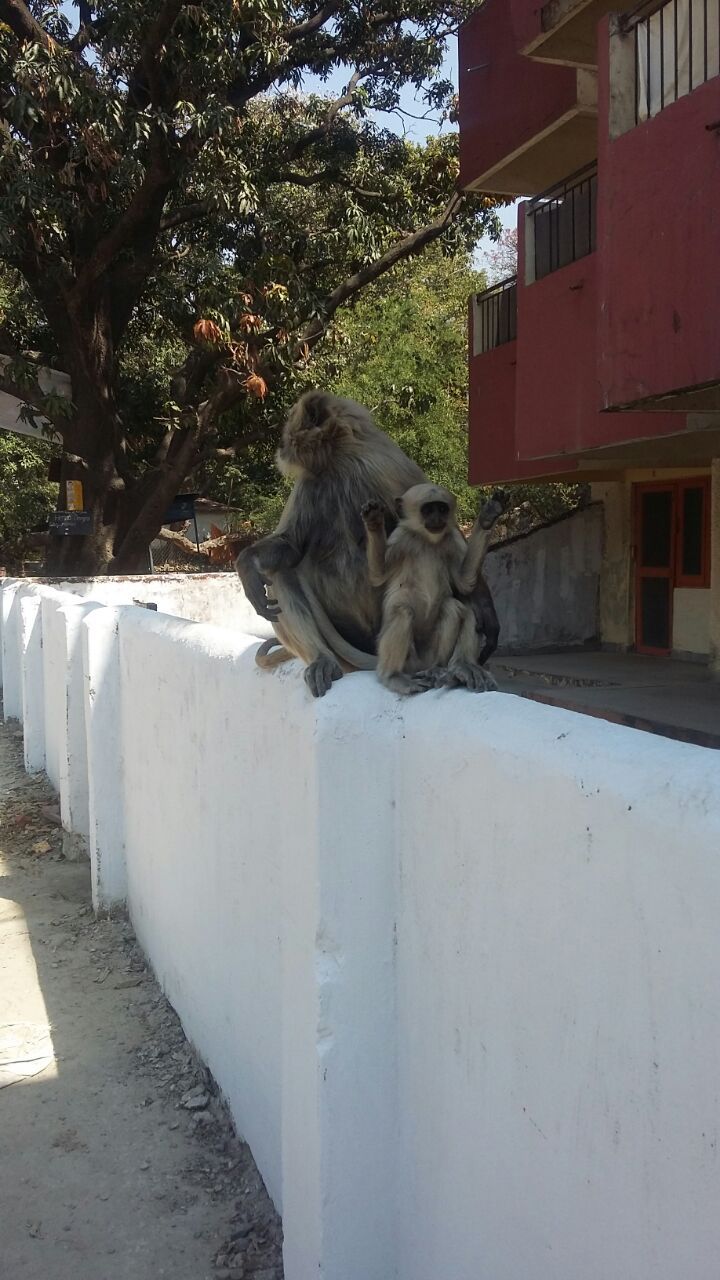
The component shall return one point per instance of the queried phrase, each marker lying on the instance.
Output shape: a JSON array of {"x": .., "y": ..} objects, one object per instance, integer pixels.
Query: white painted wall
[
  {"x": 558, "y": 998},
  {"x": 205, "y": 842},
  {"x": 454, "y": 962}
]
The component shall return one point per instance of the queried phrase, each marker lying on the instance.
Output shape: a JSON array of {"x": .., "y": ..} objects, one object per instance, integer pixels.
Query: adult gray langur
[{"x": 310, "y": 577}]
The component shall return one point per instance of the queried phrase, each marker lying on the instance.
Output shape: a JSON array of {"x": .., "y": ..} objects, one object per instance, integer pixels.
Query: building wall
[
  {"x": 448, "y": 992},
  {"x": 659, "y": 248},
  {"x": 616, "y": 589},
  {"x": 534, "y": 404},
  {"x": 691, "y": 620},
  {"x": 546, "y": 585},
  {"x": 715, "y": 568},
  {"x": 491, "y": 407},
  {"x": 556, "y": 389},
  {"x": 527, "y": 20},
  {"x": 489, "y": 62}
]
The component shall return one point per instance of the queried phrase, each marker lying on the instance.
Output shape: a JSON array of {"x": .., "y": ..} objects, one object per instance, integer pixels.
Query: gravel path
[{"x": 117, "y": 1157}]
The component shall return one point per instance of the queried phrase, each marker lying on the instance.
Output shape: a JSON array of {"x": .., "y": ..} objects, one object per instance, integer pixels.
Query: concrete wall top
[{"x": 216, "y": 598}]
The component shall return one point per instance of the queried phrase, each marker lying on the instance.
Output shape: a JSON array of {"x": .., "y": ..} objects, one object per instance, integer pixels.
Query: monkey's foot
[
  {"x": 432, "y": 678},
  {"x": 468, "y": 675},
  {"x": 407, "y": 686},
  {"x": 321, "y": 673}
]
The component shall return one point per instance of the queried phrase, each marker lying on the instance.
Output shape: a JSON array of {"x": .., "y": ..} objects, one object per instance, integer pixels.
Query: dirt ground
[{"x": 118, "y": 1160}]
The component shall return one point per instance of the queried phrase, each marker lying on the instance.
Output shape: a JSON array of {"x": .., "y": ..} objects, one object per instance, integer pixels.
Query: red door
[{"x": 654, "y": 566}]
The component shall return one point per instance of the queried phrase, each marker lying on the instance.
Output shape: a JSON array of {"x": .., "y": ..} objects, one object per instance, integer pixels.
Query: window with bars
[
  {"x": 495, "y": 316},
  {"x": 677, "y": 48},
  {"x": 563, "y": 223}
]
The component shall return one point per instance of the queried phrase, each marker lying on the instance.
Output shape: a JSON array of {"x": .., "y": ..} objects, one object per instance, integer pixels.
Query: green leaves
[
  {"x": 26, "y": 496},
  {"x": 187, "y": 216}
]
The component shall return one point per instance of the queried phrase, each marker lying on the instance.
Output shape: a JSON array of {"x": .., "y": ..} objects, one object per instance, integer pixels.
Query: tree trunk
[
  {"x": 147, "y": 507},
  {"x": 126, "y": 514},
  {"x": 86, "y": 555}
]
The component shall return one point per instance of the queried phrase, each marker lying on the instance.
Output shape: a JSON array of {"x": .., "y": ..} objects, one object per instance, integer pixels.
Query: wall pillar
[
  {"x": 11, "y": 684},
  {"x": 616, "y": 622},
  {"x": 73, "y": 783},
  {"x": 715, "y": 568},
  {"x": 32, "y": 680},
  {"x": 339, "y": 1131},
  {"x": 104, "y": 746}
]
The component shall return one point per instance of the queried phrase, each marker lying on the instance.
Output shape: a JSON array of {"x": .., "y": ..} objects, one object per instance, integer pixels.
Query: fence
[
  {"x": 562, "y": 223},
  {"x": 495, "y": 316},
  {"x": 454, "y": 962},
  {"x": 677, "y": 48}
]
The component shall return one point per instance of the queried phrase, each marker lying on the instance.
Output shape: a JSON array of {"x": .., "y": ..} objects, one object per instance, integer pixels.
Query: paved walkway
[
  {"x": 117, "y": 1161},
  {"x": 659, "y": 695}
]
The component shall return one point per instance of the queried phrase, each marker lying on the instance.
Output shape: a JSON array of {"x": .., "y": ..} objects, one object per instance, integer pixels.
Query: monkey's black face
[{"x": 435, "y": 516}]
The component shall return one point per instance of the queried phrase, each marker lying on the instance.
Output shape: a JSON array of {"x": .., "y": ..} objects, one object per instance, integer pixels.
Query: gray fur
[
  {"x": 323, "y": 605},
  {"x": 427, "y": 634}
]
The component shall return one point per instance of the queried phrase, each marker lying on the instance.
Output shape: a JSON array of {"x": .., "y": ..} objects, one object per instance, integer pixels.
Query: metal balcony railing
[
  {"x": 677, "y": 48},
  {"x": 495, "y": 316},
  {"x": 562, "y": 223}
]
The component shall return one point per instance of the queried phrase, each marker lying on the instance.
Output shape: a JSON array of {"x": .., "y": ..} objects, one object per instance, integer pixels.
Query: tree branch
[
  {"x": 330, "y": 176},
  {"x": 230, "y": 388},
  {"x": 311, "y": 25},
  {"x": 186, "y": 213},
  {"x": 227, "y": 453},
  {"x": 20, "y": 20},
  {"x": 410, "y": 244},
  {"x": 322, "y": 130},
  {"x": 145, "y": 209},
  {"x": 143, "y": 83}
]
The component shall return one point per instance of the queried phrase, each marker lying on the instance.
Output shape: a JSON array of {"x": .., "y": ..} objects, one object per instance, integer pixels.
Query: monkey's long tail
[
  {"x": 340, "y": 647},
  {"x": 272, "y": 654}
]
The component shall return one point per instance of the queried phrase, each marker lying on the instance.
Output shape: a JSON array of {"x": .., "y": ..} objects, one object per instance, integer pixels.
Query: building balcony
[
  {"x": 493, "y": 450},
  {"x": 561, "y": 225},
  {"x": 551, "y": 129},
  {"x": 564, "y": 32},
  {"x": 535, "y": 399}
]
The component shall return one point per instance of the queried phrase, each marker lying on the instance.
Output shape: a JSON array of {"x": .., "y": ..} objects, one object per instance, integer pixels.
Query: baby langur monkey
[{"x": 428, "y": 635}]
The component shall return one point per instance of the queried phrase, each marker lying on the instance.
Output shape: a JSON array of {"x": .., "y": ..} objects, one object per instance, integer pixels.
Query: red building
[{"x": 600, "y": 361}]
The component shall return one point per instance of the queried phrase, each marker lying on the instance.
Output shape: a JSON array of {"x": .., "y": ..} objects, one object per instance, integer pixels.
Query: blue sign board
[
  {"x": 183, "y": 508},
  {"x": 69, "y": 523}
]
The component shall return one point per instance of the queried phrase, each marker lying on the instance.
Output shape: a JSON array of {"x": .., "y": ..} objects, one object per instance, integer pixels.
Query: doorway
[{"x": 672, "y": 550}]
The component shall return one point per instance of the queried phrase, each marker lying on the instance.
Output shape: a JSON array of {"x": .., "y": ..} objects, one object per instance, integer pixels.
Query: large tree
[{"x": 166, "y": 187}]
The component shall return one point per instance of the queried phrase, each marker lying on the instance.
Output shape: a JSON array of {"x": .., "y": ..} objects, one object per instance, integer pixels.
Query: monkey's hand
[
  {"x": 373, "y": 516},
  {"x": 493, "y": 509},
  {"x": 262, "y": 603},
  {"x": 254, "y": 586}
]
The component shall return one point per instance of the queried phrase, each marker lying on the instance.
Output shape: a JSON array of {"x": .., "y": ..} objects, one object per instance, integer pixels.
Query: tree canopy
[{"x": 181, "y": 221}]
